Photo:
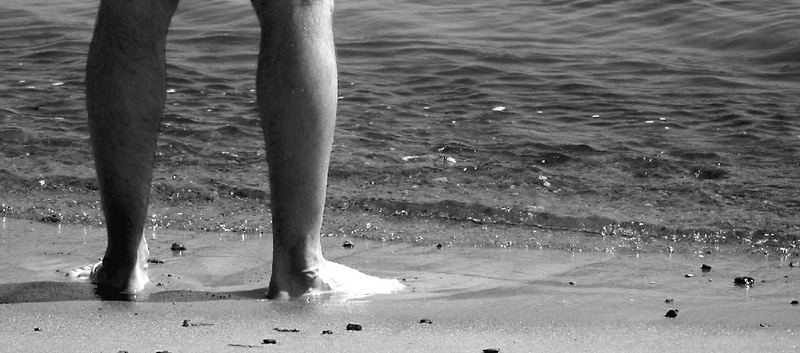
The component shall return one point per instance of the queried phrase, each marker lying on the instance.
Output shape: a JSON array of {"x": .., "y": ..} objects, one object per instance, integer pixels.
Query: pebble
[
  {"x": 269, "y": 341},
  {"x": 327, "y": 332},
  {"x": 571, "y": 283},
  {"x": 669, "y": 300},
  {"x": 795, "y": 302},
  {"x": 187, "y": 323},
  {"x": 705, "y": 268},
  {"x": 744, "y": 281},
  {"x": 425, "y": 321},
  {"x": 439, "y": 246},
  {"x": 177, "y": 247},
  {"x": 672, "y": 313},
  {"x": 499, "y": 109},
  {"x": 688, "y": 275},
  {"x": 491, "y": 350},
  {"x": 353, "y": 327},
  {"x": 36, "y": 329},
  {"x": 348, "y": 244}
]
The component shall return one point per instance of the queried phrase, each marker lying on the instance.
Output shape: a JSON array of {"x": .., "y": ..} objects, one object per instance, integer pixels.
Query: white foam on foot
[{"x": 351, "y": 283}]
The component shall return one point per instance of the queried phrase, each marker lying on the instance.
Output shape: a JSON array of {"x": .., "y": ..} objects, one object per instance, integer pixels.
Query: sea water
[{"x": 506, "y": 123}]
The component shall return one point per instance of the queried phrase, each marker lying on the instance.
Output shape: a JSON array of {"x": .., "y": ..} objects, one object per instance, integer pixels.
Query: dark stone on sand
[
  {"x": 348, "y": 244},
  {"x": 187, "y": 323},
  {"x": 353, "y": 327},
  {"x": 52, "y": 218},
  {"x": 669, "y": 300},
  {"x": 327, "y": 332},
  {"x": 439, "y": 246},
  {"x": 688, "y": 275},
  {"x": 155, "y": 261},
  {"x": 794, "y": 264},
  {"x": 177, "y": 247},
  {"x": 763, "y": 324},
  {"x": 672, "y": 313},
  {"x": 744, "y": 281},
  {"x": 571, "y": 283},
  {"x": 269, "y": 341},
  {"x": 795, "y": 302},
  {"x": 491, "y": 350},
  {"x": 425, "y": 321},
  {"x": 705, "y": 268},
  {"x": 36, "y": 329}
]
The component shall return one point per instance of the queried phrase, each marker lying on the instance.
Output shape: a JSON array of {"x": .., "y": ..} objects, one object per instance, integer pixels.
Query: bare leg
[
  {"x": 125, "y": 92},
  {"x": 296, "y": 84}
]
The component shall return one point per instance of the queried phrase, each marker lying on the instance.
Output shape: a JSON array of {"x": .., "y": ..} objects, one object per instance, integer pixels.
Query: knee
[
  {"x": 137, "y": 12},
  {"x": 273, "y": 7}
]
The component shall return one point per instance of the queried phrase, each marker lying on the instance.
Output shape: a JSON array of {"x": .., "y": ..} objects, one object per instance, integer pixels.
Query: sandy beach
[{"x": 514, "y": 300}]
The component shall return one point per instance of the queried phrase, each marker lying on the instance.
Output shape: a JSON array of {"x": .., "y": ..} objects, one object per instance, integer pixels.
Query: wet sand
[{"x": 515, "y": 300}]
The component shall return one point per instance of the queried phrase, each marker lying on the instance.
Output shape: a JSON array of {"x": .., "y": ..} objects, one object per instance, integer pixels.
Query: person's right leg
[
  {"x": 125, "y": 93},
  {"x": 296, "y": 88}
]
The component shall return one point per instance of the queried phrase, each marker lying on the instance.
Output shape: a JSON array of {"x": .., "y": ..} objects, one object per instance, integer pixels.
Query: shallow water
[{"x": 460, "y": 122}]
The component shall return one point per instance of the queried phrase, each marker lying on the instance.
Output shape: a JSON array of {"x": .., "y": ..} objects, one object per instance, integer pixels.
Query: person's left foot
[{"x": 119, "y": 279}]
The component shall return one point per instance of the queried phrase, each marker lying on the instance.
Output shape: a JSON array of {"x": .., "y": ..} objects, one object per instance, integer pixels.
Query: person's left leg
[{"x": 125, "y": 93}]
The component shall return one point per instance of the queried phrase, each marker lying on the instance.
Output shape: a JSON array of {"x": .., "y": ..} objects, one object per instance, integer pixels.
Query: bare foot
[
  {"x": 116, "y": 278},
  {"x": 332, "y": 277}
]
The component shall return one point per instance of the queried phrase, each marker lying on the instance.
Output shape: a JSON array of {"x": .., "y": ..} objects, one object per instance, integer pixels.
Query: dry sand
[{"x": 512, "y": 299}]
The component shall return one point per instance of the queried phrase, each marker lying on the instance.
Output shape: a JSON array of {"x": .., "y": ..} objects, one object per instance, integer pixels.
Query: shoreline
[{"x": 476, "y": 298}]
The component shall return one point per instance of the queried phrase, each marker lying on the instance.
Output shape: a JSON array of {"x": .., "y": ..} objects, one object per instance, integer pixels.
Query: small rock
[
  {"x": 155, "y": 261},
  {"x": 763, "y": 324},
  {"x": 36, "y": 329},
  {"x": 439, "y": 246},
  {"x": 794, "y": 264},
  {"x": 795, "y": 302},
  {"x": 571, "y": 283},
  {"x": 669, "y": 300},
  {"x": 672, "y": 313},
  {"x": 353, "y": 327},
  {"x": 269, "y": 341},
  {"x": 53, "y": 218},
  {"x": 348, "y": 244},
  {"x": 491, "y": 350},
  {"x": 425, "y": 321},
  {"x": 688, "y": 275},
  {"x": 744, "y": 281},
  {"x": 705, "y": 268},
  {"x": 327, "y": 332},
  {"x": 177, "y": 247},
  {"x": 187, "y": 323}
]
